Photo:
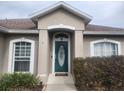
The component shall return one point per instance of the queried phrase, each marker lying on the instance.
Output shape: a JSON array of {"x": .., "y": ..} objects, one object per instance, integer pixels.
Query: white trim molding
[
  {"x": 11, "y": 54},
  {"x": 104, "y": 40},
  {"x": 61, "y": 26}
]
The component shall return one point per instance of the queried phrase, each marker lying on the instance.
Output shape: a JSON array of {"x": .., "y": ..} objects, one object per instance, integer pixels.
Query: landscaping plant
[
  {"x": 18, "y": 81},
  {"x": 99, "y": 73}
]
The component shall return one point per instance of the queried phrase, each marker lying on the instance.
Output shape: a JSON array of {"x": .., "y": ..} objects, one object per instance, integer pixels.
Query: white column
[{"x": 43, "y": 56}]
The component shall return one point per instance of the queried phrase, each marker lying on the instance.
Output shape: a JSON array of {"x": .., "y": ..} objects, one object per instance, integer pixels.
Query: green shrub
[
  {"x": 18, "y": 80},
  {"x": 99, "y": 73}
]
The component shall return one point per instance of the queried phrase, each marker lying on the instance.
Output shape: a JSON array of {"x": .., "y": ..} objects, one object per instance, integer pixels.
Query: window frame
[
  {"x": 104, "y": 40},
  {"x": 11, "y": 62}
]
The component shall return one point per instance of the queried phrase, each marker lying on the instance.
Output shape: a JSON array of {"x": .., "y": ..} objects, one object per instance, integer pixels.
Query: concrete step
[
  {"x": 60, "y": 83},
  {"x": 60, "y": 79},
  {"x": 60, "y": 87}
]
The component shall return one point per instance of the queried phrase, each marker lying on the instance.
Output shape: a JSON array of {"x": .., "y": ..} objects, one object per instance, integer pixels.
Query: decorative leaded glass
[{"x": 61, "y": 55}]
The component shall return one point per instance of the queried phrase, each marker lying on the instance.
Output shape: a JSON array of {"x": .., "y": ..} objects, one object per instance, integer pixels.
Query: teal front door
[{"x": 61, "y": 56}]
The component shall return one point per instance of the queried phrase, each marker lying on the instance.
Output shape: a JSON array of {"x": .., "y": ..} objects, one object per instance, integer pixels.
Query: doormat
[{"x": 61, "y": 74}]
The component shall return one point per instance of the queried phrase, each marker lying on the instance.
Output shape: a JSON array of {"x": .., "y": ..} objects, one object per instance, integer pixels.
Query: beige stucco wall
[
  {"x": 88, "y": 39},
  {"x": 78, "y": 43},
  {"x": 50, "y": 52},
  {"x": 7, "y": 40},
  {"x": 60, "y": 17},
  {"x": 2, "y": 45}
]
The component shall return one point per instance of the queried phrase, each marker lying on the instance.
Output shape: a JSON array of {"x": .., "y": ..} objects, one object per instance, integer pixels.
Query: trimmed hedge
[
  {"x": 19, "y": 81},
  {"x": 99, "y": 73}
]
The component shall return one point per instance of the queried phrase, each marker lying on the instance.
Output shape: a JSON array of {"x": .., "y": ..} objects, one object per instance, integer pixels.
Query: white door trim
[{"x": 53, "y": 52}]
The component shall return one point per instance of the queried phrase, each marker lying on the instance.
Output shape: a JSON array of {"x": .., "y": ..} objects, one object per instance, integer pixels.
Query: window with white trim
[
  {"x": 105, "y": 48},
  {"x": 21, "y": 55}
]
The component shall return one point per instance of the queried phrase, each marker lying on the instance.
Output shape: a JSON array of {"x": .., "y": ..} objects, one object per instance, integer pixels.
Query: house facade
[{"x": 48, "y": 41}]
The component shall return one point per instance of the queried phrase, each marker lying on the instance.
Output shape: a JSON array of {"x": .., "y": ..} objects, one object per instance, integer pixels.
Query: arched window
[
  {"x": 21, "y": 55},
  {"x": 61, "y": 37},
  {"x": 105, "y": 47}
]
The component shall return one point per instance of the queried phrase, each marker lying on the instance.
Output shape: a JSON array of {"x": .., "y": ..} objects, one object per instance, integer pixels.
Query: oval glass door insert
[{"x": 61, "y": 55}]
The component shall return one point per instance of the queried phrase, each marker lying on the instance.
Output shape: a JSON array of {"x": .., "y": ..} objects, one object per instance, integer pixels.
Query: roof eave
[
  {"x": 3, "y": 29},
  {"x": 103, "y": 32},
  {"x": 17, "y": 31},
  {"x": 20, "y": 31}
]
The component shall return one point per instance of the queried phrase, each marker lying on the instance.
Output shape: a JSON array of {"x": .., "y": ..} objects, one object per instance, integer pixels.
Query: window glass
[
  {"x": 22, "y": 56},
  {"x": 105, "y": 49}
]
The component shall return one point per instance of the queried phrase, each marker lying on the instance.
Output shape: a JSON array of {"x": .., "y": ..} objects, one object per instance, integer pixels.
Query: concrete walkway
[{"x": 60, "y": 83}]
